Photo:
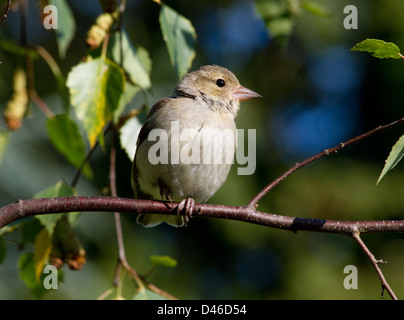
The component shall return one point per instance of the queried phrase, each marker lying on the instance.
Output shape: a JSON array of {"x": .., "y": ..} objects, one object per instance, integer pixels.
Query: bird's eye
[{"x": 220, "y": 83}]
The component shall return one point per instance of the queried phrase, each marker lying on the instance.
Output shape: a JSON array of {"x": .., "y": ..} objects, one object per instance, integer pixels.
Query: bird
[{"x": 183, "y": 127}]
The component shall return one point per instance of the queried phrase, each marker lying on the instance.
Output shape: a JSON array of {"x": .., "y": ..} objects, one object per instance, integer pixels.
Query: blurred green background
[{"x": 315, "y": 92}]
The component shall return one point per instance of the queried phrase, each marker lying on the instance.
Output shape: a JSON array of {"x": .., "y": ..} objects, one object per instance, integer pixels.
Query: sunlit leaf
[
  {"x": 180, "y": 37},
  {"x": 60, "y": 189},
  {"x": 66, "y": 25},
  {"x": 65, "y": 136},
  {"x": 379, "y": 49},
  {"x": 396, "y": 154},
  {"x": 43, "y": 247},
  {"x": 96, "y": 88},
  {"x": 165, "y": 261},
  {"x": 128, "y": 136},
  {"x": 136, "y": 61},
  {"x": 137, "y": 65}
]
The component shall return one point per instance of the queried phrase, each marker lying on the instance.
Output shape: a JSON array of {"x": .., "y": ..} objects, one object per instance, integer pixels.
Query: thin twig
[
  {"x": 118, "y": 226},
  {"x": 85, "y": 161},
  {"x": 87, "y": 158},
  {"x": 38, "y": 100},
  {"x": 29, "y": 65},
  {"x": 105, "y": 294},
  {"x": 375, "y": 263},
  {"x": 253, "y": 203},
  {"x": 5, "y": 14}
]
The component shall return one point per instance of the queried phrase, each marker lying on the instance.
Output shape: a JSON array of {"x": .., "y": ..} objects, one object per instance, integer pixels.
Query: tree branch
[
  {"x": 253, "y": 203},
  {"x": 25, "y": 208},
  {"x": 31, "y": 207}
]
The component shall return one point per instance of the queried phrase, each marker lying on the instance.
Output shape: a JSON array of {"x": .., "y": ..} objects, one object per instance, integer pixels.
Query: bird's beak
[{"x": 242, "y": 93}]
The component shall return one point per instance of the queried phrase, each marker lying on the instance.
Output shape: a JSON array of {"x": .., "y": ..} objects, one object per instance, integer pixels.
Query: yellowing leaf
[
  {"x": 27, "y": 274},
  {"x": 43, "y": 247},
  {"x": 4, "y": 137},
  {"x": 96, "y": 88},
  {"x": 180, "y": 37}
]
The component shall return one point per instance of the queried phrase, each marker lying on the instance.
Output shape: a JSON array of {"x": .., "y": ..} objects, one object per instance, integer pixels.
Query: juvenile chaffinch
[{"x": 188, "y": 163}]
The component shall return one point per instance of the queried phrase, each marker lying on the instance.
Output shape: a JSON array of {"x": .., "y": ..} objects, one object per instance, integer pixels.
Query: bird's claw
[{"x": 186, "y": 206}]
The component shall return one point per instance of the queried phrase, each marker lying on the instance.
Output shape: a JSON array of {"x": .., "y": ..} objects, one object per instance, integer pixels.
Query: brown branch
[
  {"x": 31, "y": 207},
  {"x": 375, "y": 263},
  {"x": 25, "y": 208},
  {"x": 254, "y": 202}
]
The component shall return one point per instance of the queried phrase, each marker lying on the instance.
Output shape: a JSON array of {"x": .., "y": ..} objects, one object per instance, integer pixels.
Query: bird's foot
[{"x": 186, "y": 206}]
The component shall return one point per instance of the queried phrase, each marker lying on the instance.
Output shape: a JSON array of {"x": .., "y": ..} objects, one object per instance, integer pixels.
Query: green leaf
[
  {"x": 96, "y": 88},
  {"x": 130, "y": 92},
  {"x": 3, "y": 249},
  {"x": 280, "y": 27},
  {"x": 165, "y": 261},
  {"x": 137, "y": 66},
  {"x": 136, "y": 61},
  {"x": 29, "y": 230},
  {"x": 66, "y": 25},
  {"x": 128, "y": 136},
  {"x": 271, "y": 8},
  {"x": 26, "y": 266},
  {"x": 180, "y": 38},
  {"x": 146, "y": 294},
  {"x": 4, "y": 137},
  {"x": 316, "y": 8},
  {"x": 43, "y": 247},
  {"x": 379, "y": 49},
  {"x": 65, "y": 136},
  {"x": 279, "y": 17},
  {"x": 396, "y": 154},
  {"x": 60, "y": 189},
  {"x": 17, "y": 49}
]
